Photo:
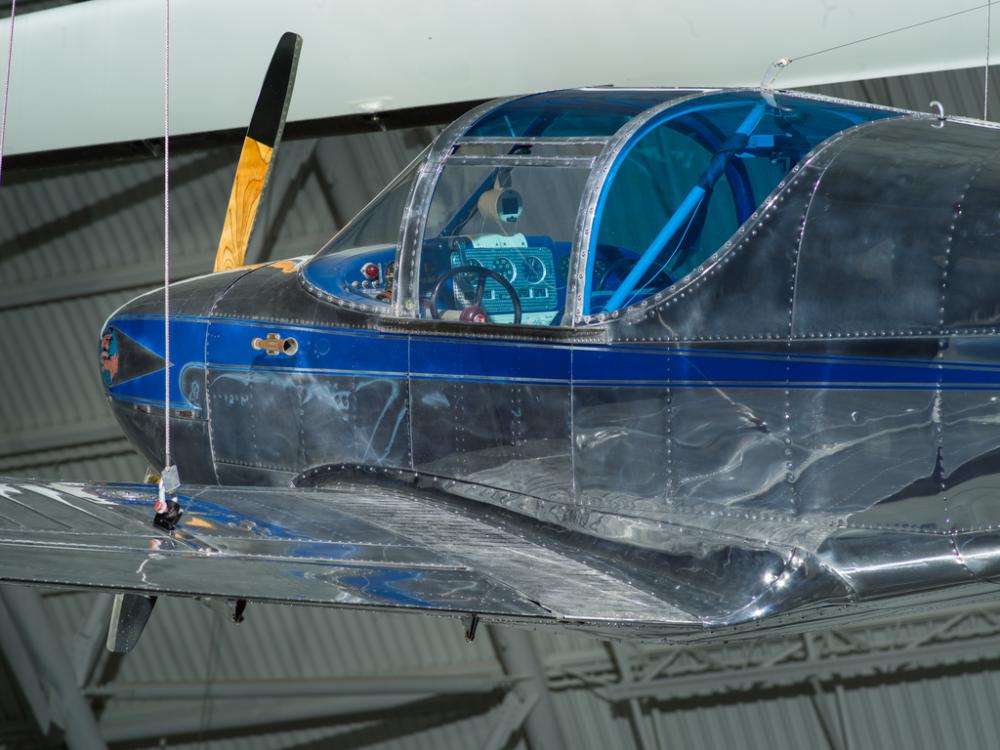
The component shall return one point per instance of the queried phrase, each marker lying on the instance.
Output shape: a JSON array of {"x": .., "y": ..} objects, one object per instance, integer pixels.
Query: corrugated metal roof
[
  {"x": 959, "y": 91},
  {"x": 50, "y": 382},
  {"x": 194, "y": 642}
]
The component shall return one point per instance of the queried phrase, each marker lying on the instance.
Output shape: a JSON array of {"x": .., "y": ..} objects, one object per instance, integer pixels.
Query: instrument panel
[{"x": 530, "y": 270}]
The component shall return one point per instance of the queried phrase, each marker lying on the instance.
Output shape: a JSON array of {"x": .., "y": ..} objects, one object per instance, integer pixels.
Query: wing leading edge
[
  {"x": 351, "y": 544},
  {"x": 356, "y": 543}
]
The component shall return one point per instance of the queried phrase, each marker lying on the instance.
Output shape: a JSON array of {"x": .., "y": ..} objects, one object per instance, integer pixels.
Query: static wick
[{"x": 767, "y": 82}]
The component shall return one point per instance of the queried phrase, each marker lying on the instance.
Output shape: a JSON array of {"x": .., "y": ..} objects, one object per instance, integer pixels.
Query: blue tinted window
[
  {"x": 688, "y": 180},
  {"x": 566, "y": 114}
]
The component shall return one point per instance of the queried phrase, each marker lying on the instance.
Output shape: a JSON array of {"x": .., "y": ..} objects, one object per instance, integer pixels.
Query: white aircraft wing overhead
[{"x": 93, "y": 72}]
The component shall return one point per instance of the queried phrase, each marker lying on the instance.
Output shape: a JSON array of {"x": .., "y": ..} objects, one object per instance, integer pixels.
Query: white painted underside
[{"x": 93, "y": 72}]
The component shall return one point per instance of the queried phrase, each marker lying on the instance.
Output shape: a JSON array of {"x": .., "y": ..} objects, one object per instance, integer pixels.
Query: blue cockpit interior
[
  {"x": 502, "y": 223},
  {"x": 341, "y": 273},
  {"x": 575, "y": 113},
  {"x": 690, "y": 178}
]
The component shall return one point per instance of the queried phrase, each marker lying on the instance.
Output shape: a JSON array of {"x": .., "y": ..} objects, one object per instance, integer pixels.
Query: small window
[
  {"x": 359, "y": 264},
  {"x": 497, "y": 243},
  {"x": 690, "y": 179}
]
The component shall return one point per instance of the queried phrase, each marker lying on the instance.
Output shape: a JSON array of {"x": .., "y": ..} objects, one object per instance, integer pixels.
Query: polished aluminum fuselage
[{"x": 809, "y": 419}]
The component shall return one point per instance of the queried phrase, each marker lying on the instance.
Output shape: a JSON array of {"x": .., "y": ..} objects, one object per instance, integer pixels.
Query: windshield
[
  {"x": 359, "y": 264},
  {"x": 497, "y": 214},
  {"x": 498, "y": 240}
]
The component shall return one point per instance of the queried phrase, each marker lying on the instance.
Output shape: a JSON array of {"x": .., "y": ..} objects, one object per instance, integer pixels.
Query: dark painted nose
[
  {"x": 126, "y": 357},
  {"x": 133, "y": 351},
  {"x": 135, "y": 373}
]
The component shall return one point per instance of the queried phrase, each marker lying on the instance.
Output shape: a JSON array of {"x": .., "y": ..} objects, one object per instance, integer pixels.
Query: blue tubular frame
[
  {"x": 712, "y": 140},
  {"x": 652, "y": 252},
  {"x": 714, "y": 171},
  {"x": 667, "y": 115}
]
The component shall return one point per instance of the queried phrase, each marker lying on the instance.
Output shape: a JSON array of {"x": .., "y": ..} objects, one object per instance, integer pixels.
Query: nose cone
[
  {"x": 132, "y": 355},
  {"x": 132, "y": 349},
  {"x": 109, "y": 356},
  {"x": 125, "y": 357},
  {"x": 135, "y": 373}
]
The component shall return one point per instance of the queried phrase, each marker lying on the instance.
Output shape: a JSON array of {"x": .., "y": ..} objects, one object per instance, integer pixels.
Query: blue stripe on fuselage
[
  {"x": 187, "y": 345},
  {"x": 367, "y": 353}
]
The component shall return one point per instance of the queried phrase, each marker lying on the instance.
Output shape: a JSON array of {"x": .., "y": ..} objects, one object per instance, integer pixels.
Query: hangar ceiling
[{"x": 76, "y": 241}]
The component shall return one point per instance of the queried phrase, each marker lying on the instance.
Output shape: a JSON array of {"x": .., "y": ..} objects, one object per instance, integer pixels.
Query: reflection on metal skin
[{"x": 801, "y": 428}]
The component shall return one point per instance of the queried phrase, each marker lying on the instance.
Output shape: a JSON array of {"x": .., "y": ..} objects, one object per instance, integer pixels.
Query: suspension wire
[
  {"x": 986, "y": 71},
  {"x": 166, "y": 229},
  {"x": 897, "y": 30},
  {"x": 6, "y": 82},
  {"x": 167, "y": 510}
]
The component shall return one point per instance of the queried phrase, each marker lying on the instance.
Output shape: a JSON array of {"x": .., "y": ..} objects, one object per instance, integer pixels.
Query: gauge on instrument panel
[
  {"x": 534, "y": 269},
  {"x": 505, "y": 268}
]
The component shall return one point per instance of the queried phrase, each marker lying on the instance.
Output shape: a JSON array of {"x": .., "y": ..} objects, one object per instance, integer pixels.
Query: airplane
[{"x": 660, "y": 363}]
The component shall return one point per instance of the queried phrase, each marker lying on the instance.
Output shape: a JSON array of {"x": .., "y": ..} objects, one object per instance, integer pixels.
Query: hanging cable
[
  {"x": 167, "y": 509},
  {"x": 166, "y": 228},
  {"x": 894, "y": 31},
  {"x": 986, "y": 71},
  {"x": 6, "y": 83},
  {"x": 778, "y": 65}
]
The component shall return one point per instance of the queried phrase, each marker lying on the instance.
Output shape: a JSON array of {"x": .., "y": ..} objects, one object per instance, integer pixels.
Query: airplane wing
[
  {"x": 418, "y": 56},
  {"x": 358, "y": 543},
  {"x": 353, "y": 544}
]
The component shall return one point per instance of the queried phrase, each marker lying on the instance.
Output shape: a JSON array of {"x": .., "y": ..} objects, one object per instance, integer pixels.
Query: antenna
[{"x": 767, "y": 82}]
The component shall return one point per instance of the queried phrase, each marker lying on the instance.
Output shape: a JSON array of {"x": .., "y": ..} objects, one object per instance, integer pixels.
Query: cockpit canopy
[{"x": 558, "y": 208}]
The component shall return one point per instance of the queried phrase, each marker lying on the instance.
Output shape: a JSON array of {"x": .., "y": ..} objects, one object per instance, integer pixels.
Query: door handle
[{"x": 274, "y": 345}]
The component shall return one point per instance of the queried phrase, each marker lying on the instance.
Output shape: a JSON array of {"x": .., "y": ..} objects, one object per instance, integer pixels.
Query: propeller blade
[{"x": 259, "y": 147}]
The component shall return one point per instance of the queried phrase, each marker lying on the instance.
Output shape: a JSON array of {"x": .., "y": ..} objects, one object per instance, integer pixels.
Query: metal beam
[
  {"x": 920, "y": 640},
  {"x": 50, "y": 659},
  {"x": 594, "y": 666},
  {"x": 88, "y": 643},
  {"x": 800, "y": 672},
  {"x": 842, "y": 714},
  {"x": 643, "y": 738},
  {"x": 154, "y": 723},
  {"x": 60, "y": 436},
  {"x": 828, "y": 725},
  {"x": 448, "y": 684},
  {"x": 25, "y": 462},
  {"x": 135, "y": 276},
  {"x": 138, "y": 276},
  {"x": 513, "y": 711},
  {"x": 516, "y": 652},
  {"x": 16, "y": 653},
  {"x": 95, "y": 210}
]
